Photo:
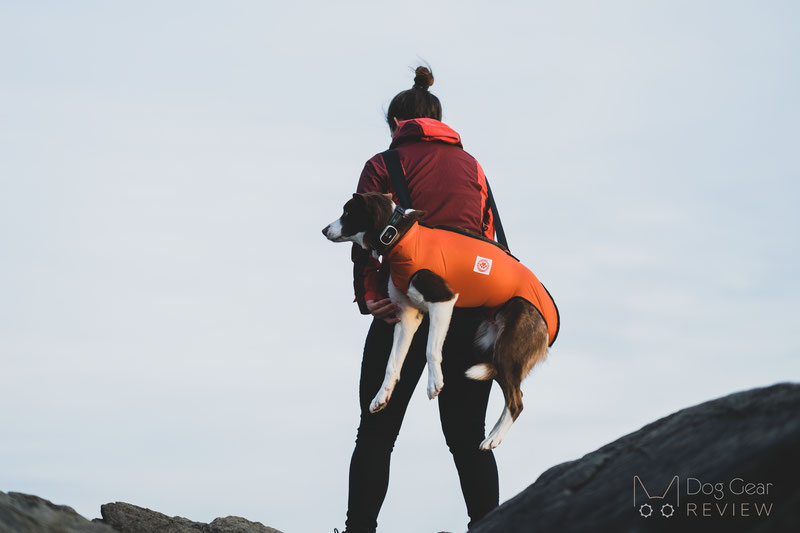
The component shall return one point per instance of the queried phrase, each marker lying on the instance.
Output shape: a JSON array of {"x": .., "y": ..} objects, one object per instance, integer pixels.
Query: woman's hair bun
[
  {"x": 423, "y": 78},
  {"x": 416, "y": 102}
]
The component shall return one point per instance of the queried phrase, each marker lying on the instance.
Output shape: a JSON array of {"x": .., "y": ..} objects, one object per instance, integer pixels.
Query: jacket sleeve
[{"x": 366, "y": 281}]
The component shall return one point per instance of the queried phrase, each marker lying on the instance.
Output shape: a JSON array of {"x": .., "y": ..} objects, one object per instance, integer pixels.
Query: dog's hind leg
[
  {"x": 513, "y": 397},
  {"x": 521, "y": 343},
  {"x": 429, "y": 291},
  {"x": 410, "y": 319}
]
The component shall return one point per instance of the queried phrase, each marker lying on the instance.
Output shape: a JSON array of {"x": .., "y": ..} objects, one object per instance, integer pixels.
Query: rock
[
  {"x": 725, "y": 465},
  {"x": 127, "y": 518},
  {"x": 736, "y": 459},
  {"x": 24, "y": 513}
]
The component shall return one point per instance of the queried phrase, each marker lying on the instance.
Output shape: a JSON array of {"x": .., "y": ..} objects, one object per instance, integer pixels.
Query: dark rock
[
  {"x": 128, "y": 518},
  {"x": 752, "y": 436},
  {"x": 24, "y": 513},
  {"x": 237, "y": 524},
  {"x": 714, "y": 449}
]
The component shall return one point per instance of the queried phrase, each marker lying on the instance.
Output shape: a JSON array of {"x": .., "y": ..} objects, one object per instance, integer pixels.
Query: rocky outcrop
[
  {"x": 24, "y": 513},
  {"x": 730, "y": 464},
  {"x": 127, "y": 518}
]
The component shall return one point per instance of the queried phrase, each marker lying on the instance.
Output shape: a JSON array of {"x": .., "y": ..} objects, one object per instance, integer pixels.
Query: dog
[{"x": 433, "y": 270}]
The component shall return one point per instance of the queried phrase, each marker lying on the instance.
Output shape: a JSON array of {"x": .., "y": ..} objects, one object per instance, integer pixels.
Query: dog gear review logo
[
  {"x": 663, "y": 504},
  {"x": 733, "y": 499},
  {"x": 483, "y": 265}
]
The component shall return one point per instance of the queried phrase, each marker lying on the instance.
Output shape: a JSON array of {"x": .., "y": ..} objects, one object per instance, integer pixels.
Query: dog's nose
[{"x": 325, "y": 230}]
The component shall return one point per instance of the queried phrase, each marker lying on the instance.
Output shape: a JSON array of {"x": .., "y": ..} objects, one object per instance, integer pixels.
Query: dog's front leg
[
  {"x": 440, "y": 314},
  {"x": 410, "y": 319}
]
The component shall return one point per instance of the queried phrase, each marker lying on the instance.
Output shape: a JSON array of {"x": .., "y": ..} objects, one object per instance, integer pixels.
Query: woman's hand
[{"x": 384, "y": 310}]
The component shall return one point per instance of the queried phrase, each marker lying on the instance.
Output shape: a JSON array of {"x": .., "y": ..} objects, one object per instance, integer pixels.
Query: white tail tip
[{"x": 481, "y": 372}]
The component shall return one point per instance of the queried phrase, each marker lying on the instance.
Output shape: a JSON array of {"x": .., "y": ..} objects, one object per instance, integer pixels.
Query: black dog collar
[{"x": 393, "y": 231}]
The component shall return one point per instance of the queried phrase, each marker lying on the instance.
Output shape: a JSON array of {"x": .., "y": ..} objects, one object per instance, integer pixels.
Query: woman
[{"x": 449, "y": 185}]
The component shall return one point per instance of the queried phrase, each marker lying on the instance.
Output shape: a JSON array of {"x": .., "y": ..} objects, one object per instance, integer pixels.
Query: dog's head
[{"x": 363, "y": 217}]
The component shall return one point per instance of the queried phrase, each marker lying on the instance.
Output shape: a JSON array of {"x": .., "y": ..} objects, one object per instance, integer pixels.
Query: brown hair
[{"x": 416, "y": 102}]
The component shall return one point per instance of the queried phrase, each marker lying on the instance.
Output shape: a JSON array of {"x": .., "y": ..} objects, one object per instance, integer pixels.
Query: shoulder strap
[
  {"x": 398, "y": 178},
  {"x": 498, "y": 226}
]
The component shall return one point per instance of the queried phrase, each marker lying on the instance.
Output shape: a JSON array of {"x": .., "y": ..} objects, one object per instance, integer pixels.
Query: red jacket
[
  {"x": 443, "y": 180},
  {"x": 481, "y": 273}
]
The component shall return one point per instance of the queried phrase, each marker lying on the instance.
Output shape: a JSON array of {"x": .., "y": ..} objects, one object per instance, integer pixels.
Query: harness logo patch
[{"x": 483, "y": 265}]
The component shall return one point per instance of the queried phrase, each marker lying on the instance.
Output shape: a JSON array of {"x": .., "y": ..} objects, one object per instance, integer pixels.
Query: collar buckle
[{"x": 388, "y": 235}]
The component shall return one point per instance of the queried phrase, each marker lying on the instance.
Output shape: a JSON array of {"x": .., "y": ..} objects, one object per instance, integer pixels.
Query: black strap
[
  {"x": 498, "y": 226},
  {"x": 398, "y": 177},
  {"x": 400, "y": 186}
]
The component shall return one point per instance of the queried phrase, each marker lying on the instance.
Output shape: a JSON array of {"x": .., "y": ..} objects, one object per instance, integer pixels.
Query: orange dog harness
[{"x": 483, "y": 274}]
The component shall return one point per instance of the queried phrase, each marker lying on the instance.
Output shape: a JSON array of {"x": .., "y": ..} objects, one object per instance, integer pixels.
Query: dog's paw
[
  {"x": 435, "y": 386},
  {"x": 380, "y": 401},
  {"x": 491, "y": 442},
  {"x": 382, "y": 398},
  {"x": 376, "y": 405}
]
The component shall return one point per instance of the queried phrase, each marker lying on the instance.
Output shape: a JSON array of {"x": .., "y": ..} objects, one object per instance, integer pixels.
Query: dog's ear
[
  {"x": 417, "y": 215},
  {"x": 388, "y": 195}
]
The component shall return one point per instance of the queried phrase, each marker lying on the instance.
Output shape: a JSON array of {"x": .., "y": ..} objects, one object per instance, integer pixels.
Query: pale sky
[{"x": 176, "y": 333}]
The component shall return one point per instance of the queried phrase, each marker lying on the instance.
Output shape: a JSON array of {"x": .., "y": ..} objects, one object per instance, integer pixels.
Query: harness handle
[{"x": 398, "y": 177}]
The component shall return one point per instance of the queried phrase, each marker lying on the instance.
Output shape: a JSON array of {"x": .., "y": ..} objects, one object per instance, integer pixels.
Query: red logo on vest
[{"x": 483, "y": 265}]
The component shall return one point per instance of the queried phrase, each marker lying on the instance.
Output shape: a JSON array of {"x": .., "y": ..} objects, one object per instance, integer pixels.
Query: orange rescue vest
[{"x": 480, "y": 272}]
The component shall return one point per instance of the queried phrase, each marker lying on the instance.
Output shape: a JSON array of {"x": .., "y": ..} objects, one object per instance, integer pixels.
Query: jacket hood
[{"x": 424, "y": 129}]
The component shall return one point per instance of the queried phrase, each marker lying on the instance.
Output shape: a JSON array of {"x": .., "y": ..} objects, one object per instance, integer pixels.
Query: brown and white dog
[{"x": 513, "y": 341}]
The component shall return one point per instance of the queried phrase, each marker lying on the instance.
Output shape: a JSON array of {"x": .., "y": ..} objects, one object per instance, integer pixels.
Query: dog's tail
[{"x": 481, "y": 372}]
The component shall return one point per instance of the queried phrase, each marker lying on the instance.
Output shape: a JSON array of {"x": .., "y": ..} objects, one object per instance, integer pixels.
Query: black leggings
[{"x": 462, "y": 410}]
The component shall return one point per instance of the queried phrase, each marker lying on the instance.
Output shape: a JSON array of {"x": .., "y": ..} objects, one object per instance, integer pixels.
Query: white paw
[
  {"x": 491, "y": 442},
  {"x": 382, "y": 398},
  {"x": 379, "y": 402},
  {"x": 435, "y": 385}
]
